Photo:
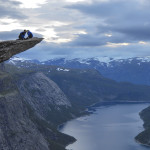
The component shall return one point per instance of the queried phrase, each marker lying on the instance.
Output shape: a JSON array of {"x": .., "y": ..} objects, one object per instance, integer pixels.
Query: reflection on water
[{"x": 110, "y": 127}]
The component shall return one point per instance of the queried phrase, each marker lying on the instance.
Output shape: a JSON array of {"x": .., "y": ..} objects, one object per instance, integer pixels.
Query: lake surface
[{"x": 110, "y": 127}]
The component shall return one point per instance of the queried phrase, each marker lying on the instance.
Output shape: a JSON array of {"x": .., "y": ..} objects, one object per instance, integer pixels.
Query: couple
[{"x": 22, "y": 35}]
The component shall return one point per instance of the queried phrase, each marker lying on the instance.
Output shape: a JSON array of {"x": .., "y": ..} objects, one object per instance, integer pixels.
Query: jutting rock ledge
[{"x": 13, "y": 47}]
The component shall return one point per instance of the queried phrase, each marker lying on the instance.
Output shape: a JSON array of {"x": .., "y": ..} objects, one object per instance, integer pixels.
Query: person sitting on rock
[
  {"x": 30, "y": 35},
  {"x": 22, "y": 35}
]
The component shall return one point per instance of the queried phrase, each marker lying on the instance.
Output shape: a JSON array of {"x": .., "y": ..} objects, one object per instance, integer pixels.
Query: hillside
[
  {"x": 135, "y": 70},
  {"x": 87, "y": 86},
  {"x": 51, "y": 95},
  {"x": 24, "y": 112},
  {"x": 144, "y": 137}
]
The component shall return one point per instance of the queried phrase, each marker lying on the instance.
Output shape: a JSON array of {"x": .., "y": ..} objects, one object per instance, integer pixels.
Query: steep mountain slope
[
  {"x": 86, "y": 86},
  {"x": 83, "y": 87},
  {"x": 45, "y": 97},
  {"x": 16, "y": 127},
  {"x": 23, "y": 123}
]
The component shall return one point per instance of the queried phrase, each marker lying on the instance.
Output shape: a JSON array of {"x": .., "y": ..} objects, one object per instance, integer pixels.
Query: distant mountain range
[{"x": 135, "y": 70}]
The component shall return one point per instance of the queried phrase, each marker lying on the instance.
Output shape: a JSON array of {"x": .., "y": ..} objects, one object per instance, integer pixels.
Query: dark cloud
[
  {"x": 10, "y": 9},
  {"x": 47, "y": 51},
  {"x": 9, "y": 35},
  {"x": 88, "y": 40},
  {"x": 136, "y": 33},
  {"x": 127, "y": 21}
]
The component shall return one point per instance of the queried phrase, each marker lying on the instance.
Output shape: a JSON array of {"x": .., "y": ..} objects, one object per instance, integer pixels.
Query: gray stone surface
[
  {"x": 13, "y": 47},
  {"x": 17, "y": 130},
  {"x": 42, "y": 94}
]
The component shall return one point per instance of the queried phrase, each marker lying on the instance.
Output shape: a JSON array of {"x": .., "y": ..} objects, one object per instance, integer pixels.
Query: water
[{"x": 110, "y": 127}]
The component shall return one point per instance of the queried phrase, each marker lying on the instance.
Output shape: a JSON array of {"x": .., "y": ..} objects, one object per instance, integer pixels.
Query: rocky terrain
[{"x": 10, "y": 48}]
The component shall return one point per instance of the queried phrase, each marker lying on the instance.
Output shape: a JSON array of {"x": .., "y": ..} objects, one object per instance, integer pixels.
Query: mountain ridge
[{"x": 135, "y": 70}]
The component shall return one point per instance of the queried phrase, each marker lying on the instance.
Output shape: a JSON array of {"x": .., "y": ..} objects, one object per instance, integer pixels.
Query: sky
[{"x": 79, "y": 28}]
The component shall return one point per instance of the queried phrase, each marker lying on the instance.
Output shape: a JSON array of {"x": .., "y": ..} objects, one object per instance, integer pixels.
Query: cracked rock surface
[{"x": 13, "y": 47}]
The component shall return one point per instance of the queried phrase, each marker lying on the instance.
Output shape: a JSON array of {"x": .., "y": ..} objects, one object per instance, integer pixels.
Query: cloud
[
  {"x": 87, "y": 40},
  {"x": 31, "y": 4},
  {"x": 125, "y": 20},
  {"x": 48, "y": 51},
  {"x": 84, "y": 28},
  {"x": 9, "y": 9}
]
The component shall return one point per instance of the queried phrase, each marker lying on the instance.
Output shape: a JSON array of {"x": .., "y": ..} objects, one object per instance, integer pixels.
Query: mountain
[
  {"x": 30, "y": 105},
  {"x": 135, "y": 70},
  {"x": 86, "y": 86},
  {"x": 50, "y": 95}
]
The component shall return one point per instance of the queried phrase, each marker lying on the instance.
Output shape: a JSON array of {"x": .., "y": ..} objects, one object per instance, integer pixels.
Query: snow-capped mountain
[
  {"x": 134, "y": 70},
  {"x": 96, "y": 62}
]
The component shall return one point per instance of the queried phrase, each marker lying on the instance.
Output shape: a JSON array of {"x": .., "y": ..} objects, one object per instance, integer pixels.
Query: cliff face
[
  {"x": 17, "y": 130},
  {"x": 10, "y": 48},
  {"x": 29, "y": 105},
  {"x": 26, "y": 100},
  {"x": 43, "y": 95}
]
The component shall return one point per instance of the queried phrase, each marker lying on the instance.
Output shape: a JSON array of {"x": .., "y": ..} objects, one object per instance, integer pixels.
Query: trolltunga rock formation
[{"x": 13, "y": 47}]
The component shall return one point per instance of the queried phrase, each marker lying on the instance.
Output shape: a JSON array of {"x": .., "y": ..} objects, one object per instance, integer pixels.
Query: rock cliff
[
  {"x": 43, "y": 95},
  {"x": 26, "y": 102},
  {"x": 13, "y": 47},
  {"x": 31, "y": 105},
  {"x": 17, "y": 130}
]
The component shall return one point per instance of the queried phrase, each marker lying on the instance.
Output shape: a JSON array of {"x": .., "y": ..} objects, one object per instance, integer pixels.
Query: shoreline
[
  {"x": 138, "y": 140},
  {"x": 94, "y": 105},
  {"x": 142, "y": 143}
]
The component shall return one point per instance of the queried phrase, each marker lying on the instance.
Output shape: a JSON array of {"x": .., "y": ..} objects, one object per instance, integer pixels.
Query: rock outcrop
[
  {"x": 43, "y": 95},
  {"x": 13, "y": 47},
  {"x": 17, "y": 130}
]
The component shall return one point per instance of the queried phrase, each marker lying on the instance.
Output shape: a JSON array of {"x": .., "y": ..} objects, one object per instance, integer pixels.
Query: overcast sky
[{"x": 79, "y": 28}]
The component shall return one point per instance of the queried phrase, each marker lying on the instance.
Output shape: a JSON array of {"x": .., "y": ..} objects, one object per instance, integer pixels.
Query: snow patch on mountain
[
  {"x": 60, "y": 69},
  {"x": 13, "y": 60},
  {"x": 104, "y": 61},
  {"x": 144, "y": 59}
]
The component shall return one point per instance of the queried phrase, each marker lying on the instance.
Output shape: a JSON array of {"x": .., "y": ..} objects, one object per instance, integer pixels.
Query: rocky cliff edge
[{"x": 13, "y": 47}]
